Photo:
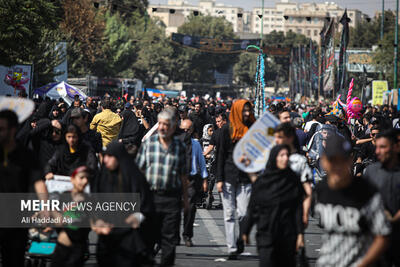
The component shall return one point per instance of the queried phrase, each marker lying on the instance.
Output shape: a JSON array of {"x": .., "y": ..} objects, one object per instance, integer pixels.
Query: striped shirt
[{"x": 163, "y": 168}]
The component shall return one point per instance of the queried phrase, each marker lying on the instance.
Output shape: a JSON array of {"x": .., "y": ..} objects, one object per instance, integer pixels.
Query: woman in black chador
[
  {"x": 127, "y": 246},
  {"x": 276, "y": 207}
]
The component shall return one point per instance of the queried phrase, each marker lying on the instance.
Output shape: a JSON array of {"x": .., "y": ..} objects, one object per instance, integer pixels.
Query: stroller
[
  {"x": 316, "y": 148},
  {"x": 206, "y": 199},
  {"x": 41, "y": 245}
]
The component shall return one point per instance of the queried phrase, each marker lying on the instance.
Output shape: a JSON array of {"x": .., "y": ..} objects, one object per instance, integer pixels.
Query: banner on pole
[
  {"x": 378, "y": 88},
  {"x": 328, "y": 81},
  {"x": 14, "y": 79},
  {"x": 344, "y": 40},
  {"x": 213, "y": 45}
]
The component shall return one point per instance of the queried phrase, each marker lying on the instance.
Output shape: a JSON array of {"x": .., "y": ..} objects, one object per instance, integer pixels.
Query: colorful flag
[
  {"x": 329, "y": 58},
  {"x": 314, "y": 68},
  {"x": 341, "y": 75}
]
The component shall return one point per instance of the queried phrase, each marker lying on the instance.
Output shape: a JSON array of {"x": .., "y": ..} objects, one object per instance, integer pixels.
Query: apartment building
[
  {"x": 285, "y": 16},
  {"x": 303, "y": 18},
  {"x": 173, "y": 11}
]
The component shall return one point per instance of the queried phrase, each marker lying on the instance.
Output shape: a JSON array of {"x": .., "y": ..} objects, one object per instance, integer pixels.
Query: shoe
[
  {"x": 240, "y": 246},
  {"x": 232, "y": 256},
  {"x": 188, "y": 242}
]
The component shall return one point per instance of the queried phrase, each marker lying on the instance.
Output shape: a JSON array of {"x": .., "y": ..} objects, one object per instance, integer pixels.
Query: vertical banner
[
  {"x": 378, "y": 87},
  {"x": 260, "y": 85},
  {"x": 307, "y": 67},
  {"x": 344, "y": 40},
  {"x": 328, "y": 80},
  {"x": 295, "y": 71},
  {"x": 322, "y": 60},
  {"x": 304, "y": 71},
  {"x": 314, "y": 69},
  {"x": 291, "y": 76},
  {"x": 301, "y": 70},
  {"x": 15, "y": 79}
]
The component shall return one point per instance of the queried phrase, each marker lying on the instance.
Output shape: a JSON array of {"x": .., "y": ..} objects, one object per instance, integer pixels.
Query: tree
[
  {"x": 21, "y": 26},
  {"x": 126, "y": 8},
  {"x": 46, "y": 57},
  {"x": 84, "y": 29},
  {"x": 367, "y": 33},
  {"x": 191, "y": 65},
  {"x": 28, "y": 35},
  {"x": 120, "y": 48},
  {"x": 245, "y": 69},
  {"x": 155, "y": 53},
  {"x": 279, "y": 66},
  {"x": 276, "y": 67},
  {"x": 383, "y": 58},
  {"x": 384, "y": 55}
]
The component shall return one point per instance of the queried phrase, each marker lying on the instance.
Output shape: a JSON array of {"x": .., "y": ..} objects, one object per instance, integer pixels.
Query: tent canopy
[{"x": 60, "y": 90}]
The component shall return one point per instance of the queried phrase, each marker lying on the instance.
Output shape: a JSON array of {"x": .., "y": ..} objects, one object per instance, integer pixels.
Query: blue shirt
[{"x": 198, "y": 161}]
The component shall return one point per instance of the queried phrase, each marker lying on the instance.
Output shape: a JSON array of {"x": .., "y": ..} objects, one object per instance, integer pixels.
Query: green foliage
[
  {"x": 46, "y": 57},
  {"x": 195, "y": 66},
  {"x": 384, "y": 58},
  {"x": 155, "y": 54},
  {"x": 120, "y": 46},
  {"x": 83, "y": 29},
  {"x": 366, "y": 34},
  {"x": 245, "y": 70},
  {"x": 21, "y": 26},
  {"x": 276, "y": 68},
  {"x": 28, "y": 34}
]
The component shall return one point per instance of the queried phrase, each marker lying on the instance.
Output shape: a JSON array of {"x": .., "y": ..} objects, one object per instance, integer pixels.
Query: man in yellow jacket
[{"x": 107, "y": 123}]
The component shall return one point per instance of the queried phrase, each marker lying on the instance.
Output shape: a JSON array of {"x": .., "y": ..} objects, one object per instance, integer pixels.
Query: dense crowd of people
[{"x": 173, "y": 152}]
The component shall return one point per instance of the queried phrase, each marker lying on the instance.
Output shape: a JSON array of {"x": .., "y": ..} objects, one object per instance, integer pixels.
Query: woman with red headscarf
[{"x": 233, "y": 184}]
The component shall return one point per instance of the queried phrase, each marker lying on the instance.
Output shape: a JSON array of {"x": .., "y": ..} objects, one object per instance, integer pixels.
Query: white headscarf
[{"x": 206, "y": 136}]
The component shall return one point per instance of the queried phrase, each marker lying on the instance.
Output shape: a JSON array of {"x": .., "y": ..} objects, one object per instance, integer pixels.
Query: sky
[{"x": 368, "y": 7}]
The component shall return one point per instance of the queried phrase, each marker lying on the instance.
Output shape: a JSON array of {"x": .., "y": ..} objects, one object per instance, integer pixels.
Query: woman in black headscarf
[
  {"x": 131, "y": 131},
  {"x": 71, "y": 155},
  {"x": 129, "y": 246},
  {"x": 275, "y": 206}
]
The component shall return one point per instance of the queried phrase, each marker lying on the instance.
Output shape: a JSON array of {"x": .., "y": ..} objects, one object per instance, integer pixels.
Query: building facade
[
  {"x": 171, "y": 14},
  {"x": 304, "y": 18}
]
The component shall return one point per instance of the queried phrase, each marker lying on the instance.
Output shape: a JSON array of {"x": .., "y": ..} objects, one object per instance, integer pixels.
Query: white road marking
[{"x": 213, "y": 229}]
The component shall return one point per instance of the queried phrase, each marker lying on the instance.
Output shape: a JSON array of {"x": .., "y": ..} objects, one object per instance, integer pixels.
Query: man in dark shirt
[
  {"x": 385, "y": 175},
  {"x": 80, "y": 118},
  {"x": 46, "y": 139},
  {"x": 19, "y": 172},
  {"x": 199, "y": 120},
  {"x": 220, "y": 121},
  {"x": 351, "y": 212},
  {"x": 366, "y": 154}
]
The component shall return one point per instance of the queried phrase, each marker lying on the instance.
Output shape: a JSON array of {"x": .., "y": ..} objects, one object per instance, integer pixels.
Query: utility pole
[
  {"x": 396, "y": 42},
  {"x": 262, "y": 24},
  {"x": 382, "y": 18}
]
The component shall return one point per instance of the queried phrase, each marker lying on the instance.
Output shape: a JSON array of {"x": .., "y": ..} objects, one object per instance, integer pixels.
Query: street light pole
[
  {"x": 396, "y": 42},
  {"x": 262, "y": 24},
  {"x": 382, "y": 18}
]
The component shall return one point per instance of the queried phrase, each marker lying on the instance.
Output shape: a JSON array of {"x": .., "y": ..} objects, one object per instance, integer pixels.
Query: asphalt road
[{"x": 209, "y": 243}]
